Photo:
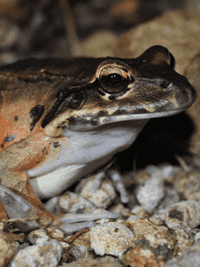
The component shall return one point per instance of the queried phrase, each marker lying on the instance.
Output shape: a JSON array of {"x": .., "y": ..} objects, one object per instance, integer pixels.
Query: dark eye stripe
[
  {"x": 36, "y": 113},
  {"x": 52, "y": 114}
]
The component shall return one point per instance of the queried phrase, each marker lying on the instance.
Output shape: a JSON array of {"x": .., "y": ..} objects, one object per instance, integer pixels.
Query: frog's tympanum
[{"x": 62, "y": 120}]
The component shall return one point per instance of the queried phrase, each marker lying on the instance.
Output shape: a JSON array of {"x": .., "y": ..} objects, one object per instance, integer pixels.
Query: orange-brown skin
[
  {"x": 17, "y": 159},
  {"x": 29, "y": 147},
  {"x": 25, "y": 142},
  {"x": 17, "y": 103}
]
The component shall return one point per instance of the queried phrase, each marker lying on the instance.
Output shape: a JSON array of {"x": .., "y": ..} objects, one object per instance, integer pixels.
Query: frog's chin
[
  {"x": 53, "y": 183},
  {"x": 80, "y": 154}
]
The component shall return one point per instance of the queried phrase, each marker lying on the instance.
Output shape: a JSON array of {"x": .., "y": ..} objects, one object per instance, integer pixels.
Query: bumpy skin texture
[{"x": 39, "y": 99}]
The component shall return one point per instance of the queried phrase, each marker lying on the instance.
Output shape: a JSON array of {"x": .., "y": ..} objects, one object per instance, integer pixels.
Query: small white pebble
[
  {"x": 150, "y": 194},
  {"x": 111, "y": 238},
  {"x": 47, "y": 253}
]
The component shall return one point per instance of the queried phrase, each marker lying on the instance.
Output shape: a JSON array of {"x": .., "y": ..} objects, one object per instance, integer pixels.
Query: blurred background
[{"x": 66, "y": 28}]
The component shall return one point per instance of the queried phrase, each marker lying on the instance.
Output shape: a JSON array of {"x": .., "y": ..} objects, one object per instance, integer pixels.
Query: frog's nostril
[{"x": 165, "y": 84}]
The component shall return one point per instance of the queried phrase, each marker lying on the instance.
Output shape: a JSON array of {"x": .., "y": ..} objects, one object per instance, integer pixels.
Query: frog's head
[
  {"x": 100, "y": 112},
  {"x": 108, "y": 90}
]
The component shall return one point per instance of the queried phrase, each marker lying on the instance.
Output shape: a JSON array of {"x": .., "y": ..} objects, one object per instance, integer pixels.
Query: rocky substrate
[{"x": 157, "y": 227}]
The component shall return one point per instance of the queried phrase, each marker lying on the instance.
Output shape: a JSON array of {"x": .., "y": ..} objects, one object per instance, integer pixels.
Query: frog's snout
[{"x": 186, "y": 96}]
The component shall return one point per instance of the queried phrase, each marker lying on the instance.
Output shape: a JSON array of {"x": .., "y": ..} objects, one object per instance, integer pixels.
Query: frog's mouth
[{"x": 86, "y": 123}]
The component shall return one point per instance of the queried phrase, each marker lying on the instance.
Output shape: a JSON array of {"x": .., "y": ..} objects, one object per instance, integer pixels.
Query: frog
[{"x": 62, "y": 120}]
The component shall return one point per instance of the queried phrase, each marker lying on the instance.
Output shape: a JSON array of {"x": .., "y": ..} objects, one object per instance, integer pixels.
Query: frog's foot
[
  {"x": 26, "y": 218},
  {"x": 28, "y": 214}
]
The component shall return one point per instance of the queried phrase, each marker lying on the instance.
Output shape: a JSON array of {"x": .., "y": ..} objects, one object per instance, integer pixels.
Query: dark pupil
[{"x": 114, "y": 79}]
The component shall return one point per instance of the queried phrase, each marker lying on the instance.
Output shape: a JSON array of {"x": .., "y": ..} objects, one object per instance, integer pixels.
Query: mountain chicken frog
[{"x": 63, "y": 119}]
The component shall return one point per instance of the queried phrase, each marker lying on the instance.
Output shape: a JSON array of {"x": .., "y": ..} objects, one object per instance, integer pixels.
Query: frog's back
[
  {"x": 18, "y": 101},
  {"x": 24, "y": 93}
]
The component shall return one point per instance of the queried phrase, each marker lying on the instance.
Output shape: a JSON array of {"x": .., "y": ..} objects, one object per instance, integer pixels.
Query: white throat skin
[{"x": 85, "y": 152}]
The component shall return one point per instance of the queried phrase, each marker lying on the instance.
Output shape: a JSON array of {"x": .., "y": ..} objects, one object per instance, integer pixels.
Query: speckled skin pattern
[{"x": 39, "y": 99}]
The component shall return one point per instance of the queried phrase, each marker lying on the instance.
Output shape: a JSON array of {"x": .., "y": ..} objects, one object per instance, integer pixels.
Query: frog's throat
[{"x": 84, "y": 153}]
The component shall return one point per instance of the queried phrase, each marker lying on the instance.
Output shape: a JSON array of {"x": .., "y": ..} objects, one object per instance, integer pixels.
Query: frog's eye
[
  {"x": 113, "y": 83},
  {"x": 113, "y": 80},
  {"x": 76, "y": 100}
]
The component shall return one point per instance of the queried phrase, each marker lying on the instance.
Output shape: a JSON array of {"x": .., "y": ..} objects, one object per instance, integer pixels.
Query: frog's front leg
[{"x": 14, "y": 161}]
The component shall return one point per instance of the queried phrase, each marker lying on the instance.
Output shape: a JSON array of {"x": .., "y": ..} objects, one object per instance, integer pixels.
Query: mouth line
[
  {"x": 140, "y": 116},
  {"x": 89, "y": 123}
]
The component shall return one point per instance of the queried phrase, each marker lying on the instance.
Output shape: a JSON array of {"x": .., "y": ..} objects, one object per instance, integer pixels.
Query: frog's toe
[
  {"x": 23, "y": 214},
  {"x": 69, "y": 229},
  {"x": 17, "y": 208},
  {"x": 71, "y": 223}
]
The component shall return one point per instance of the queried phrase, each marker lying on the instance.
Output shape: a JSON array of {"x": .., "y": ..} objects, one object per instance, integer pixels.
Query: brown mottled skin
[{"x": 40, "y": 98}]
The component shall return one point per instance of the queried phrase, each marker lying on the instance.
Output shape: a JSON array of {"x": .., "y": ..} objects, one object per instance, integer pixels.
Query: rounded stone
[{"x": 111, "y": 238}]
